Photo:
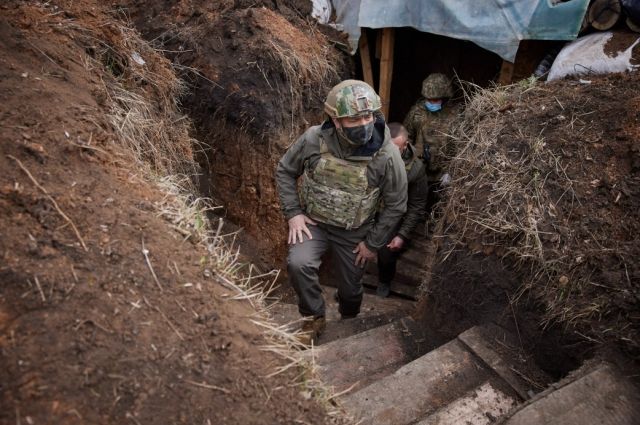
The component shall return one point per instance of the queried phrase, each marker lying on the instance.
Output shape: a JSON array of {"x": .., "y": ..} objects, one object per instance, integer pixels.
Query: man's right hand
[{"x": 298, "y": 225}]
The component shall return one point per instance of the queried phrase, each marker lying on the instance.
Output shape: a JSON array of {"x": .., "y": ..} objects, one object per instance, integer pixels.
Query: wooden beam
[
  {"x": 506, "y": 73},
  {"x": 603, "y": 14},
  {"x": 365, "y": 58},
  {"x": 386, "y": 69}
]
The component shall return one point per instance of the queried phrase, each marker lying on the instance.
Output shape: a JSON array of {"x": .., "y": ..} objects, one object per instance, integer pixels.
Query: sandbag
[{"x": 597, "y": 53}]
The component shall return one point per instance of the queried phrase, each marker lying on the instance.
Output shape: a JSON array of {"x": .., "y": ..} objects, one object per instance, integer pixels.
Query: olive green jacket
[
  {"x": 385, "y": 171},
  {"x": 418, "y": 192}
]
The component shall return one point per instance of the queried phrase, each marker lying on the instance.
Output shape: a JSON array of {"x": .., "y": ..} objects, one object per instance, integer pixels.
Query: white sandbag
[
  {"x": 322, "y": 11},
  {"x": 597, "y": 53}
]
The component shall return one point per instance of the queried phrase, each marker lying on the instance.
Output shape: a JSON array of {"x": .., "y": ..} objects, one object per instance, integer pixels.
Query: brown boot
[{"x": 311, "y": 329}]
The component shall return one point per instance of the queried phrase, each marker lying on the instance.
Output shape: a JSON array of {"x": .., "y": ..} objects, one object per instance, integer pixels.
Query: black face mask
[{"x": 359, "y": 135}]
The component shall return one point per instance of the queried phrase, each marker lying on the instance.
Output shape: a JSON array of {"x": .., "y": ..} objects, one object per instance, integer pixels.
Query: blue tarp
[{"x": 496, "y": 25}]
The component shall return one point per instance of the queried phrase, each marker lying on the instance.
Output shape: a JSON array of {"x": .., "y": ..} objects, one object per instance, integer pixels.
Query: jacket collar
[{"x": 343, "y": 149}]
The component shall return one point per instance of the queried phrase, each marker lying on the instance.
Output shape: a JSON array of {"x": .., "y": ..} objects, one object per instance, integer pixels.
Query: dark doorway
[{"x": 417, "y": 54}]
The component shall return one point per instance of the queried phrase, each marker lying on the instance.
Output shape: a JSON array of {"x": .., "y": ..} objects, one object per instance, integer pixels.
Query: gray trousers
[{"x": 303, "y": 265}]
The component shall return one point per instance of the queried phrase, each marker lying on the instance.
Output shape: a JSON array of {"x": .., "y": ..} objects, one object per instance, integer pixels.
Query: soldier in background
[
  {"x": 418, "y": 190},
  {"x": 348, "y": 165},
  {"x": 429, "y": 123}
]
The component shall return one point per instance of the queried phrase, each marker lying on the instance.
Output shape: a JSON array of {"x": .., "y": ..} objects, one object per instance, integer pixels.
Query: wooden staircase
[
  {"x": 389, "y": 370},
  {"x": 410, "y": 268}
]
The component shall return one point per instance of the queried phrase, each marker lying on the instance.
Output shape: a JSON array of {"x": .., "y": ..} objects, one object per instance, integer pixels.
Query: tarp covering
[{"x": 496, "y": 25}]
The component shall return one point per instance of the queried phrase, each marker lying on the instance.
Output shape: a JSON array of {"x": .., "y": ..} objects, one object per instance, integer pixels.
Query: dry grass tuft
[
  {"x": 142, "y": 94},
  {"x": 306, "y": 60},
  {"x": 513, "y": 196}
]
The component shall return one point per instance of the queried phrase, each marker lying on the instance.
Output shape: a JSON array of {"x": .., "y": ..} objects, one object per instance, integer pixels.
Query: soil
[
  {"x": 263, "y": 69},
  {"x": 107, "y": 313},
  {"x": 587, "y": 299}
]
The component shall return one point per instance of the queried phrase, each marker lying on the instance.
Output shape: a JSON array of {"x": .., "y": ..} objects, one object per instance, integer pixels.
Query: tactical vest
[{"x": 337, "y": 192}]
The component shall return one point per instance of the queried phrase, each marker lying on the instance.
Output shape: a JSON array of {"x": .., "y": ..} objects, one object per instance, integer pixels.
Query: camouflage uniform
[
  {"x": 384, "y": 173},
  {"x": 416, "y": 203},
  {"x": 433, "y": 129}
]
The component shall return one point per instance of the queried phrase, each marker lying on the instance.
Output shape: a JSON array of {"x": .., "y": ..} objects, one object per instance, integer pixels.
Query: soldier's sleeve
[
  {"x": 393, "y": 190},
  {"x": 290, "y": 167},
  {"x": 416, "y": 203}
]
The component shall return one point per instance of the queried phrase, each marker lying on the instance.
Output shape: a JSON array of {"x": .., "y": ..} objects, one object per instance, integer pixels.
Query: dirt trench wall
[
  {"x": 539, "y": 223},
  {"x": 471, "y": 288},
  {"x": 112, "y": 306},
  {"x": 240, "y": 174},
  {"x": 257, "y": 75}
]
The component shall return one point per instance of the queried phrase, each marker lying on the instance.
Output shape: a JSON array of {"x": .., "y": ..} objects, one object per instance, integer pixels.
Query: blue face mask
[{"x": 432, "y": 107}]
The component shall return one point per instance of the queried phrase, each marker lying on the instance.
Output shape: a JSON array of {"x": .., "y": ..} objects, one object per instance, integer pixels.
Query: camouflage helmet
[
  {"x": 351, "y": 98},
  {"x": 437, "y": 86}
]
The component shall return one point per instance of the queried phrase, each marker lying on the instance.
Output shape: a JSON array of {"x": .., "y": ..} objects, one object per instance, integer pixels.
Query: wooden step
[
  {"x": 501, "y": 352},
  {"x": 410, "y": 267},
  {"x": 397, "y": 288},
  {"x": 603, "y": 396},
  {"x": 357, "y": 361},
  {"x": 419, "y": 388},
  {"x": 482, "y": 406},
  {"x": 409, "y": 276},
  {"x": 375, "y": 311},
  {"x": 414, "y": 256}
]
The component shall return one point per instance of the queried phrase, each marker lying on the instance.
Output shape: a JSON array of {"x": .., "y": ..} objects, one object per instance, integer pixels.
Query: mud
[{"x": 87, "y": 333}]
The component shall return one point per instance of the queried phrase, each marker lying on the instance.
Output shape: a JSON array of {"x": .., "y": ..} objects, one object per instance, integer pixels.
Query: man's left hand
[
  {"x": 396, "y": 244},
  {"x": 364, "y": 254}
]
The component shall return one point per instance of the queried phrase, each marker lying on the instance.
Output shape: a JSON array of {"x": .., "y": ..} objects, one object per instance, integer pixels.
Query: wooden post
[
  {"x": 386, "y": 69},
  {"x": 506, "y": 73},
  {"x": 365, "y": 58}
]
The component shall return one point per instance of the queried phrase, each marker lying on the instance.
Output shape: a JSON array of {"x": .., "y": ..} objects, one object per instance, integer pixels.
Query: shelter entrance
[{"x": 395, "y": 61}]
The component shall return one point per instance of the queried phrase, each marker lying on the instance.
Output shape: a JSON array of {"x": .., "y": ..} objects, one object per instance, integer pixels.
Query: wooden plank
[
  {"x": 386, "y": 69},
  {"x": 365, "y": 58},
  {"x": 506, "y": 73},
  {"x": 477, "y": 341},
  {"x": 479, "y": 407},
  {"x": 418, "y": 388},
  {"x": 397, "y": 288},
  {"x": 377, "y": 353},
  {"x": 603, "y": 397},
  {"x": 375, "y": 311}
]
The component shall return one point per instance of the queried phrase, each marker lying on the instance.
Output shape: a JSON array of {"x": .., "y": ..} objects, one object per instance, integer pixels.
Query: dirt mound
[
  {"x": 257, "y": 74},
  {"x": 543, "y": 212},
  {"x": 111, "y": 309}
]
